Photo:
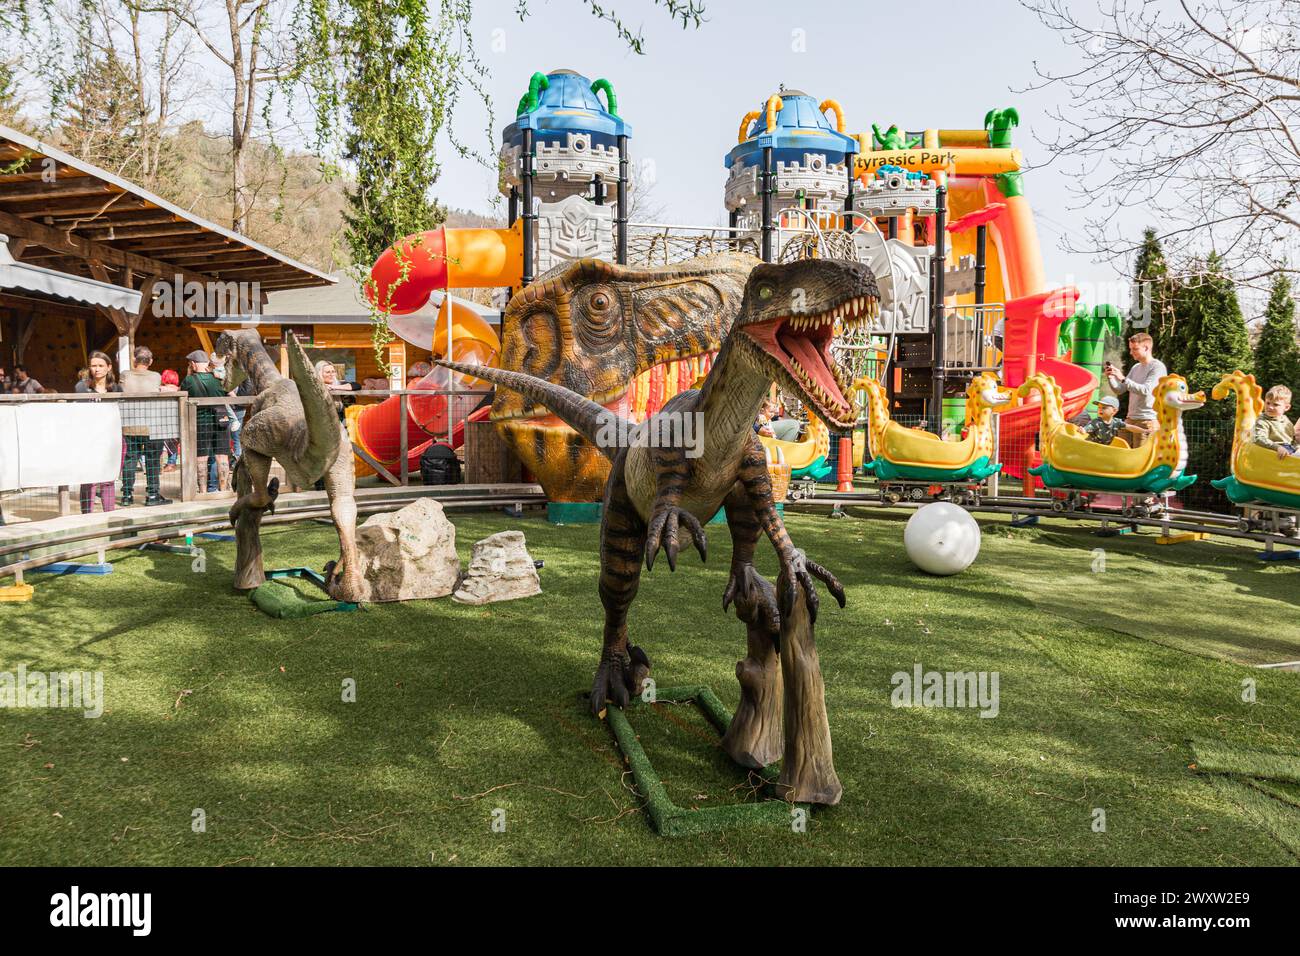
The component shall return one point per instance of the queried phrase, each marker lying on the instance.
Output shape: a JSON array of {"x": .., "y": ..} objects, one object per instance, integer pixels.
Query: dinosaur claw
[
  {"x": 664, "y": 532},
  {"x": 619, "y": 678},
  {"x": 697, "y": 534},
  {"x": 798, "y": 568},
  {"x": 810, "y": 592},
  {"x": 832, "y": 583}
]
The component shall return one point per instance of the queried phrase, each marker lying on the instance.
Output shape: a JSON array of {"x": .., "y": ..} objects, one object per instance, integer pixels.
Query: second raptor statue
[
  {"x": 782, "y": 332},
  {"x": 293, "y": 420}
]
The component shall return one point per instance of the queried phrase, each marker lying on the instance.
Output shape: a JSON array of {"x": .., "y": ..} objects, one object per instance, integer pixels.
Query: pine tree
[
  {"x": 99, "y": 105},
  {"x": 1153, "y": 298},
  {"x": 1217, "y": 337},
  {"x": 1277, "y": 357},
  {"x": 1213, "y": 334}
]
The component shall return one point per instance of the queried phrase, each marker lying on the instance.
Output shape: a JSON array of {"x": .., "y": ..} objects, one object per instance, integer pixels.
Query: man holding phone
[{"x": 1140, "y": 383}]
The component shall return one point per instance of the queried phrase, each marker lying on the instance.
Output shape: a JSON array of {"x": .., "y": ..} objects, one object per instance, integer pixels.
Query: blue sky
[{"x": 939, "y": 64}]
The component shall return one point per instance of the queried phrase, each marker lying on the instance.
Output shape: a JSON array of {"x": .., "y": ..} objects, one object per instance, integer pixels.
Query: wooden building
[
  {"x": 333, "y": 322},
  {"x": 91, "y": 262}
]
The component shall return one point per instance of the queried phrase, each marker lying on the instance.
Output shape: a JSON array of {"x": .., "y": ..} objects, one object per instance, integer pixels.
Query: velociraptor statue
[
  {"x": 295, "y": 422},
  {"x": 783, "y": 332}
]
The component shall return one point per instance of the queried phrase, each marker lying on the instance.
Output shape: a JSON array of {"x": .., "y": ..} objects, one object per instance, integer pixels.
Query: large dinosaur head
[
  {"x": 593, "y": 326},
  {"x": 788, "y": 320},
  {"x": 226, "y": 348},
  {"x": 985, "y": 392}
]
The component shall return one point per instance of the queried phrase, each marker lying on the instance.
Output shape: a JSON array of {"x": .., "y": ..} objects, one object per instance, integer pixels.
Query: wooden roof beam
[
  {"x": 60, "y": 241},
  {"x": 78, "y": 205},
  {"x": 113, "y": 233},
  {"x": 39, "y": 191},
  {"x": 135, "y": 245}
]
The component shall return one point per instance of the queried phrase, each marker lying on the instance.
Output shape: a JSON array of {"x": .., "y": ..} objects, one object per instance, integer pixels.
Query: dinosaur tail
[
  {"x": 603, "y": 428},
  {"x": 317, "y": 407}
]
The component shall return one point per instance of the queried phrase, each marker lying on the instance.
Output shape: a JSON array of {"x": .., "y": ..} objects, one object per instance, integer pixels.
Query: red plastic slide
[
  {"x": 1029, "y": 346},
  {"x": 378, "y": 431}
]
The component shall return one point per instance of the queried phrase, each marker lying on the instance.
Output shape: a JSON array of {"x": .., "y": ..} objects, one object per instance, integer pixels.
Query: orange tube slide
[
  {"x": 411, "y": 269},
  {"x": 1017, "y": 238}
]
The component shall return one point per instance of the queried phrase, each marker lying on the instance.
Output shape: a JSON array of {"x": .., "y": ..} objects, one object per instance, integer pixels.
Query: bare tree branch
[{"x": 1189, "y": 113}]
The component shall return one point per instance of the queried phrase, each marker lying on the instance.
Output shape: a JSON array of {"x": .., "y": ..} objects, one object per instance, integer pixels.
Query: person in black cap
[{"x": 213, "y": 421}]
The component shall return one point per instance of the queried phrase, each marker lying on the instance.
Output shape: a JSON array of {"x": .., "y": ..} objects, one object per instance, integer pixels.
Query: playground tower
[{"x": 566, "y": 172}]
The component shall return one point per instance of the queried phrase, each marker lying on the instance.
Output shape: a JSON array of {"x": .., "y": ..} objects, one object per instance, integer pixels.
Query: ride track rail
[
  {"x": 1170, "y": 521},
  {"x": 81, "y": 542}
]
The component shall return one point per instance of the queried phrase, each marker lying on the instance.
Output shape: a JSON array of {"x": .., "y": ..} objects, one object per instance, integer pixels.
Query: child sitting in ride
[
  {"x": 1105, "y": 428},
  {"x": 1273, "y": 429}
]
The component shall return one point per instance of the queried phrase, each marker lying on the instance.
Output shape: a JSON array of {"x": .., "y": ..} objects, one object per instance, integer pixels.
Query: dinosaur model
[
  {"x": 1258, "y": 475},
  {"x": 911, "y": 454},
  {"x": 293, "y": 421},
  {"x": 1071, "y": 461},
  {"x": 592, "y": 327},
  {"x": 783, "y": 332}
]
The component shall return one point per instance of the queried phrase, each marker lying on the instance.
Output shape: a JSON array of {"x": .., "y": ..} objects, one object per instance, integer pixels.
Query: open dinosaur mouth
[{"x": 801, "y": 346}]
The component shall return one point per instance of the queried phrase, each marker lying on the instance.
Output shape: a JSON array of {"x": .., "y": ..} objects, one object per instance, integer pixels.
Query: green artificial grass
[
  {"x": 1214, "y": 756},
  {"x": 467, "y": 742}
]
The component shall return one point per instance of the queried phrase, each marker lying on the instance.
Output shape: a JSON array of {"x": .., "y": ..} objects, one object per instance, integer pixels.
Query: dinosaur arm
[
  {"x": 796, "y": 570},
  {"x": 672, "y": 475}
]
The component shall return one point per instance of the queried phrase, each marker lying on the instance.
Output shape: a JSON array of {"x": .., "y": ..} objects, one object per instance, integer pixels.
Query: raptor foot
[
  {"x": 663, "y": 532},
  {"x": 342, "y": 585},
  {"x": 755, "y": 599},
  {"x": 272, "y": 489},
  {"x": 619, "y": 678},
  {"x": 797, "y": 571}
]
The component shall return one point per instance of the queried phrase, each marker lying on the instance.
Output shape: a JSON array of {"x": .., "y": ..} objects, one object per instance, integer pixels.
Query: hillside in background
[{"x": 294, "y": 206}]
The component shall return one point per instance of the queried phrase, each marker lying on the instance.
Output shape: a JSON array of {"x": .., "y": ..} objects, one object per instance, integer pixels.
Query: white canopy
[{"x": 20, "y": 275}]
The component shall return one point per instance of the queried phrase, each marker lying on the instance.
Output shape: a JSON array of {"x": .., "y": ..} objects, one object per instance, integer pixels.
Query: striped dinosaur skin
[
  {"x": 782, "y": 332},
  {"x": 592, "y": 327}
]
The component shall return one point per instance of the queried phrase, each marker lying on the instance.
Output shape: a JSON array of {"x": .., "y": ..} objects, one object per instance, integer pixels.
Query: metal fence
[{"x": 181, "y": 448}]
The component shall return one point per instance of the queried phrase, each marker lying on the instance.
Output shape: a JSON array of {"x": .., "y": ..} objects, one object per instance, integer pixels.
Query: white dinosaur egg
[{"x": 942, "y": 538}]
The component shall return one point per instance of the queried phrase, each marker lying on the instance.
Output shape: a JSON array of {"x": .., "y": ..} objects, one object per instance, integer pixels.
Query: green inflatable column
[{"x": 1085, "y": 335}]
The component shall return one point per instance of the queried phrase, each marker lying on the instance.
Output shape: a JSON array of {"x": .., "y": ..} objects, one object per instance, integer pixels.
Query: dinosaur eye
[
  {"x": 597, "y": 319},
  {"x": 766, "y": 292}
]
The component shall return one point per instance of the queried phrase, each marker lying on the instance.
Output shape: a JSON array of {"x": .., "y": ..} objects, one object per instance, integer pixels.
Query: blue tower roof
[
  {"x": 800, "y": 128},
  {"x": 566, "y": 105}
]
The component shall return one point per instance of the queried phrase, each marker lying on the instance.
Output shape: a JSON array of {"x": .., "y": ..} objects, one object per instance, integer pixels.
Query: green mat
[
  {"x": 282, "y": 601},
  {"x": 669, "y": 819}
]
